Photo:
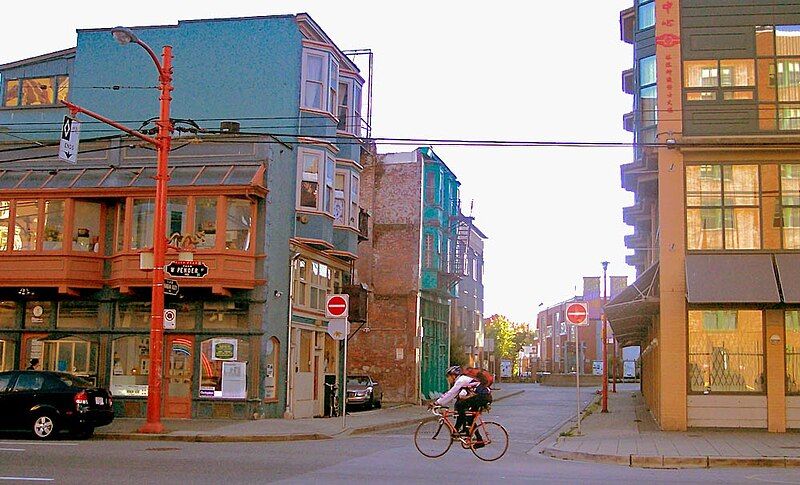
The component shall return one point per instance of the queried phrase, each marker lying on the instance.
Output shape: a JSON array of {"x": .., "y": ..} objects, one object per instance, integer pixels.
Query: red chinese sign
[{"x": 668, "y": 41}]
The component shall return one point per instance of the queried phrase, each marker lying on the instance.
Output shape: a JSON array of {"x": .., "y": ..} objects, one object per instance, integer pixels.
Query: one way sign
[{"x": 68, "y": 148}]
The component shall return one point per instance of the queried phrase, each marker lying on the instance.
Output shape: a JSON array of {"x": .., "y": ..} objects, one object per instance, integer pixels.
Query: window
[
  {"x": 223, "y": 373},
  {"x": 26, "y": 224},
  {"x": 205, "y": 221},
  {"x": 132, "y": 314},
  {"x": 86, "y": 234},
  {"x": 5, "y": 218},
  {"x": 6, "y": 356},
  {"x": 778, "y": 48},
  {"x": 349, "y": 113},
  {"x": 72, "y": 355},
  {"x": 237, "y": 231},
  {"x": 309, "y": 183},
  {"x": 428, "y": 251},
  {"x": 128, "y": 373},
  {"x": 271, "y": 358},
  {"x": 320, "y": 274},
  {"x": 320, "y": 81},
  {"x": 228, "y": 315},
  {"x": 345, "y": 109},
  {"x": 329, "y": 176},
  {"x": 704, "y": 78},
  {"x": 41, "y": 91},
  {"x": 300, "y": 282},
  {"x": 142, "y": 226},
  {"x": 79, "y": 314},
  {"x": 53, "y": 225},
  {"x": 647, "y": 14},
  {"x": 8, "y": 315},
  {"x": 726, "y": 351},
  {"x": 339, "y": 200},
  {"x": 722, "y": 207},
  {"x": 354, "y": 200},
  {"x": 792, "y": 320},
  {"x": 177, "y": 210}
]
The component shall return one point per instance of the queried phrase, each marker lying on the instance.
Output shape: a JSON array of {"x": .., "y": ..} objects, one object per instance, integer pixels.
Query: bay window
[
  {"x": 205, "y": 221},
  {"x": 726, "y": 351},
  {"x": 329, "y": 176},
  {"x": 320, "y": 82},
  {"x": 86, "y": 233},
  {"x": 142, "y": 224},
  {"x": 354, "y": 195},
  {"x": 722, "y": 207},
  {"x": 26, "y": 223},
  {"x": 5, "y": 219},
  {"x": 238, "y": 224},
  {"x": 349, "y": 105},
  {"x": 53, "y": 225},
  {"x": 339, "y": 202},
  {"x": 311, "y": 162}
]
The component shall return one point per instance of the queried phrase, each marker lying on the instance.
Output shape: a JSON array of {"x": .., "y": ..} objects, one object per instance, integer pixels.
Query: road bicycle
[
  {"x": 487, "y": 440},
  {"x": 334, "y": 402}
]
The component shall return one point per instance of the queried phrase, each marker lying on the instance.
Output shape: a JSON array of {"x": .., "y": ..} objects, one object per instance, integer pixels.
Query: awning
[
  {"x": 731, "y": 278},
  {"x": 789, "y": 275},
  {"x": 630, "y": 312}
]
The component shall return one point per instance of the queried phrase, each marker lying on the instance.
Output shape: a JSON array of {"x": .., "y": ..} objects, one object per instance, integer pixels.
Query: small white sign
[
  {"x": 70, "y": 135},
  {"x": 338, "y": 328},
  {"x": 170, "y": 315}
]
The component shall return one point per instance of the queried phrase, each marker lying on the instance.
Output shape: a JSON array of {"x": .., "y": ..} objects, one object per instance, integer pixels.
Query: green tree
[{"x": 502, "y": 330}]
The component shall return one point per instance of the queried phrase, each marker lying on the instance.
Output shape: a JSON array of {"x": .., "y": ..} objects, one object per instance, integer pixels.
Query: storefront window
[
  {"x": 792, "y": 352},
  {"x": 726, "y": 351},
  {"x": 271, "y": 357},
  {"x": 225, "y": 315},
  {"x": 136, "y": 314},
  {"x": 224, "y": 368},
  {"x": 86, "y": 235},
  {"x": 142, "y": 224},
  {"x": 38, "y": 314},
  {"x": 53, "y": 225},
  {"x": 237, "y": 232},
  {"x": 79, "y": 314},
  {"x": 7, "y": 347},
  {"x": 8, "y": 314},
  {"x": 205, "y": 220},
  {"x": 129, "y": 366},
  {"x": 71, "y": 354}
]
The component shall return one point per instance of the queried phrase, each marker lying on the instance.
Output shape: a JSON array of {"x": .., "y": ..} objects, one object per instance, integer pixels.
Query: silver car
[{"x": 363, "y": 391}]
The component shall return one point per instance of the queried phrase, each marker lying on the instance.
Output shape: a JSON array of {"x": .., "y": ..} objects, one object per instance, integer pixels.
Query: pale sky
[{"x": 530, "y": 70}]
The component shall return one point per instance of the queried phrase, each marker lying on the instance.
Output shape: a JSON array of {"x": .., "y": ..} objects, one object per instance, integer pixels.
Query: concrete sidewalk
[
  {"x": 217, "y": 430},
  {"x": 627, "y": 435}
]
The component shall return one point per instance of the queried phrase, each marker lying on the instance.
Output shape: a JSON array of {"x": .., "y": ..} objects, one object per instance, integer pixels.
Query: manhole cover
[{"x": 161, "y": 449}]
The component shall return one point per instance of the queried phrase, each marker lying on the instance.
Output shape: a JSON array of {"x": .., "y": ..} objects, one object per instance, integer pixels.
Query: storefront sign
[{"x": 224, "y": 349}]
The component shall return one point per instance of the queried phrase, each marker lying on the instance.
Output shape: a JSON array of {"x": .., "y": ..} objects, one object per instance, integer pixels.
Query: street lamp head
[
  {"x": 124, "y": 35},
  {"x": 605, "y": 264}
]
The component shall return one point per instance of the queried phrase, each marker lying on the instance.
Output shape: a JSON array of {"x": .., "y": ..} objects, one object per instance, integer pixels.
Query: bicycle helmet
[{"x": 454, "y": 371}]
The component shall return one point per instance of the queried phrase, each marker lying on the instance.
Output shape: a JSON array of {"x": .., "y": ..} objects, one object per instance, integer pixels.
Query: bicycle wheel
[
  {"x": 494, "y": 439},
  {"x": 432, "y": 438}
]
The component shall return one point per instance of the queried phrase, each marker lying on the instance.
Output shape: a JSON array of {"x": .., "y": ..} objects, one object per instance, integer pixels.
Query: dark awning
[
  {"x": 630, "y": 312},
  {"x": 789, "y": 275},
  {"x": 731, "y": 278}
]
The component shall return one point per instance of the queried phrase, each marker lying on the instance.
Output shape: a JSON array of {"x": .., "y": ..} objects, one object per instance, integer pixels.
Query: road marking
[
  {"x": 12, "y": 449},
  {"x": 36, "y": 443},
  {"x": 28, "y": 479}
]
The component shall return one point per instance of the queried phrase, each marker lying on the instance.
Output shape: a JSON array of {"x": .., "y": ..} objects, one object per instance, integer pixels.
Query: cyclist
[{"x": 470, "y": 395}]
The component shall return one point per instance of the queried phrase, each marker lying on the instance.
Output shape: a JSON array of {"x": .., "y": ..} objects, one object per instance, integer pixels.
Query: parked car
[
  {"x": 46, "y": 403},
  {"x": 363, "y": 391}
]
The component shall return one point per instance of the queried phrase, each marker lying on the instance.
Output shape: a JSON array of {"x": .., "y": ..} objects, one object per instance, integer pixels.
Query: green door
[{"x": 435, "y": 342}]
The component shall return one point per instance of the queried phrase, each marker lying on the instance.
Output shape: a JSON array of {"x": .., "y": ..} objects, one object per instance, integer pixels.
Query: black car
[{"x": 46, "y": 403}]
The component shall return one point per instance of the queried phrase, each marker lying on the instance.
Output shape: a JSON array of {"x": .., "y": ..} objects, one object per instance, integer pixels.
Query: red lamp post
[
  {"x": 162, "y": 143},
  {"x": 605, "y": 342}
]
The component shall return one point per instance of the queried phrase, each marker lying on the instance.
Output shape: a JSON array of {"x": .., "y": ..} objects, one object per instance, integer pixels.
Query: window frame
[
  {"x": 650, "y": 5},
  {"x": 719, "y": 92},
  {"x": 326, "y": 165},
  {"x": 328, "y": 85}
]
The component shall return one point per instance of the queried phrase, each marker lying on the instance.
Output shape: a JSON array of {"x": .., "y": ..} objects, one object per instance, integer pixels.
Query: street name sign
[
  {"x": 68, "y": 145},
  {"x": 171, "y": 287},
  {"x": 577, "y": 314},
  {"x": 186, "y": 269},
  {"x": 337, "y": 306}
]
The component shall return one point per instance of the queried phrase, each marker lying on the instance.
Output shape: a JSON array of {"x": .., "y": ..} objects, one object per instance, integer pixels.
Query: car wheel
[
  {"x": 84, "y": 433},
  {"x": 44, "y": 427},
  {"x": 378, "y": 404}
]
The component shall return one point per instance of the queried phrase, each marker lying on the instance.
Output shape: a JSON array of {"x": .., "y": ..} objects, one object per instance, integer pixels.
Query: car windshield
[
  {"x": 75, "y": 381},
  {"x": 357, "y": 381}
]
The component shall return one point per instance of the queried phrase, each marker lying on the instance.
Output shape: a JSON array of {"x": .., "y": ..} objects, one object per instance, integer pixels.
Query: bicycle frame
[{"x": 466, "y": 441}]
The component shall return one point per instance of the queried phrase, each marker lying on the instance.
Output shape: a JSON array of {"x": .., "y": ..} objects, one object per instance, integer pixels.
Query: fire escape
[{"x": 455, "y": 261}]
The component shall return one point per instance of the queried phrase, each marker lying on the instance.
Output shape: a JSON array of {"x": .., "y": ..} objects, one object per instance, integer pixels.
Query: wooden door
[{"x": 179, "y": 350}]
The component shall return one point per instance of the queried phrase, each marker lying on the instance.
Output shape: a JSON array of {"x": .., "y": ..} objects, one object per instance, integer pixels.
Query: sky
[{"x": 529, "y": 70}]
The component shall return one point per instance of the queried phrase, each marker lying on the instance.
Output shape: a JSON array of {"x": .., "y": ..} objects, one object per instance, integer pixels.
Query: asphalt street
[{"x": 385, "y": 457}]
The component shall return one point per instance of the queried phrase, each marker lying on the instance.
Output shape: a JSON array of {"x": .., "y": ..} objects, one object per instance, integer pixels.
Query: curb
[
  {"x": 210, "y": 438},
  {"x": 661, "y": 461}
]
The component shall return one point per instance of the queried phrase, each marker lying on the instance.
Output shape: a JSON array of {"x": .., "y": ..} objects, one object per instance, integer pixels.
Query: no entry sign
[
  {"x": 577, "y": 314},
  {"x": 337, "y": 306}
]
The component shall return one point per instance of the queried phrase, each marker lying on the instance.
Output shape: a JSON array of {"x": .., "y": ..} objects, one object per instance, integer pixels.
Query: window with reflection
[
  {"x": 5, "y": 218},
  {"x": 778, "y": 50},
  {"x": 142, "y": 224},
  {"x": 132, "y": 314},
  {"x": 71, "y": 354},
  {"x": 40, "y": 91},
  {"x": 300, "y": 282},
  {"x": 309, "y": 183},
  {"x": 339, "y": 203},
  {"x": 11, "y": 93},
  {"x": 230, "y": 315},
  {"x": 53, "y": 225},
  {"x": 792, "y": 321},
  {"x": 177, "y": 210},
  {"x": 86, "y": 232},
  {"x": 355, "y": 188},
  {"x": 205, "y": 220},
  {"x": 790, "y": 202},
  {"x": 130, "y": 358},
  {"x": 722, "y": 207},
  {"x": 8, "y": 314},
  {"x": 119, "y": 227},
  {"x": 726, "y": 351},
  {"x": 320, "y": 274},
  {"x": 238, "y": 223},
  {"x": 7, "y": 347},
  {"x": 646, "y": 14},
  {"x": 79, "y": 314},
  {"x": 26, "y": 224},
  {"x": 223, "y": 373}
]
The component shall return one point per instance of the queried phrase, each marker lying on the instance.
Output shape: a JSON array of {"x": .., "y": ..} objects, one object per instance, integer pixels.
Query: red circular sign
[
  {"x": 337, "y": 306},
  {"x": 576, "y": 313}
]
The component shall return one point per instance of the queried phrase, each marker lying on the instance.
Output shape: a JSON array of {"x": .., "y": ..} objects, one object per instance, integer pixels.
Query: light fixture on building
[{"x": 25, "y": 292}]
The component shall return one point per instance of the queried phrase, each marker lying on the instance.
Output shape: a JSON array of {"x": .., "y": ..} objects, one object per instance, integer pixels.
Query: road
[{"x": 385, "y": 457}]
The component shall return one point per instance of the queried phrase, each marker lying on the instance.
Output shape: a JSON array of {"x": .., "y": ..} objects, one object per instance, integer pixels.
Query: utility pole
[{"x": 605, "y": 340}]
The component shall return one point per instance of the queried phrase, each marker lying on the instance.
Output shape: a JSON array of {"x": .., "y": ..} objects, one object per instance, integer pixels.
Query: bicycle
[
  {"x": 334, "y": 402},
  {"x": 487, "y": 440}
]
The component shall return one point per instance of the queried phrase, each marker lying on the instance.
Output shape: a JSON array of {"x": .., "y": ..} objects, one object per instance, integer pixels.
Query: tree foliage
[{"x": 502, "y": 331}]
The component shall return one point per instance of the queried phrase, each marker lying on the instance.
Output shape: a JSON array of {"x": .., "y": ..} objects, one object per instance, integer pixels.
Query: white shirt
[{"x": 458, "y": 387}]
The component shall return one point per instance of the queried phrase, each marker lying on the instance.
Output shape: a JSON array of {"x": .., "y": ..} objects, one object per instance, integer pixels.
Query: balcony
[
  {"x": 628, "y": 120},
  {"x": 627, "y": 25},
  {"x": 628, "y": 81},
  {"x": 67, "y": 272}
]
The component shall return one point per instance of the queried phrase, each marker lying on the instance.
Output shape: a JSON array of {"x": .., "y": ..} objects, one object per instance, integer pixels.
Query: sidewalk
[
  {"x": 217, "y": 430},
  {"x": 627, "y": 435}
]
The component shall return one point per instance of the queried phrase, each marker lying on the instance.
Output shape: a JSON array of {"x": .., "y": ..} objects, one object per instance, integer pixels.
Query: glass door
[{"x": 178, "y": 376}]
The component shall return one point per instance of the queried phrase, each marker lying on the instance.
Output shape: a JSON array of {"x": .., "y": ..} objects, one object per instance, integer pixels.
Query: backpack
[{"x": 485, "y": 377}]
